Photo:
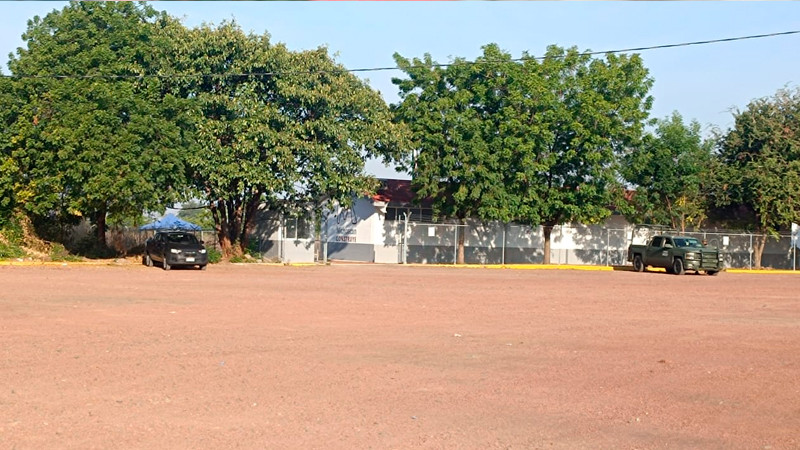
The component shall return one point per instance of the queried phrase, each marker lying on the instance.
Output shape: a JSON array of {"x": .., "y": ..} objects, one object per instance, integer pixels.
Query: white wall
[{"x": 361, "y": 233}]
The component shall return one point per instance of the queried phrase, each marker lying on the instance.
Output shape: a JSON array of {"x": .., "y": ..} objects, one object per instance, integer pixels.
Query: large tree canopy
[
  {"x": 671, "y": 171},
  {"x": 93, "y": 139},
  {"x": 531, "y": 140},
  {"x": 9, "y": 170},
  {"x": 276, "y": 127},
  {"x": 760, "y": 164},
  {"x": 458, "y": 150}
]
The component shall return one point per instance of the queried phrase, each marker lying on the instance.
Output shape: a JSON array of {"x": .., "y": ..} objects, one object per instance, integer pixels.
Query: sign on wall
[
  {"x": 350, "y": 225},
  {"x": 346, "y": 226}
]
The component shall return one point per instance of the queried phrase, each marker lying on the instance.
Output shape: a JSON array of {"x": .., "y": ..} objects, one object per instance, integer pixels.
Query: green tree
[
  {"x": 276, "y": 128},
  {"x": 529, "y": 140},
  {"x": 759, "y": 168},
  {"x": 97, "y": 137},
  {"x": 671, "y": 170},
  {"x": 9, "y": 172},
  {"x": 193, "y": 211},
  {"x": 453, "y": 113}
]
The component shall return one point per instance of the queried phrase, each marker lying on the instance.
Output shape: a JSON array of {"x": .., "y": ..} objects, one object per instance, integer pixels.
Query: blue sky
[{"x": 701, "y": 82}]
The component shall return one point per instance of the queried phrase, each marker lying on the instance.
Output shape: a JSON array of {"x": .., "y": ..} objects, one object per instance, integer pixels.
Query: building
[{"x": 389, "y": 227}]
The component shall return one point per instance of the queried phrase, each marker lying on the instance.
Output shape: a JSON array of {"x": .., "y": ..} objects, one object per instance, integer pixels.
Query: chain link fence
[
  {"x": 497, "y": 243},
  {"x": 287, "y": 239}
]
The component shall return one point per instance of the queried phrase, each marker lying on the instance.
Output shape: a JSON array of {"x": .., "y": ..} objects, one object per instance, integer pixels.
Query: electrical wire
[{"x": 382, "y": 69}]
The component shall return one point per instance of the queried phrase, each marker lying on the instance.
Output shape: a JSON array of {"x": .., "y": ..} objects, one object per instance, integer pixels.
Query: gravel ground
[{"x": 393, "y": 357}]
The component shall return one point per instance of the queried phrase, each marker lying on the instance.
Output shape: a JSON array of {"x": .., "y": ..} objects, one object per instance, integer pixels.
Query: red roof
[
  {"x": 399, "y": 192},
  {"x": 394, "y": 191}
]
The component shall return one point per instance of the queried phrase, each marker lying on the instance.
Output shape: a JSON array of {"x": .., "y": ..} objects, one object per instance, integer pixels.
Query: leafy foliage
[
  {"x": 529, "y": 140},
  {"x": 192, "y": 211},
  {"x": 671, "y": 170},
  {"x": 10, "y": 176},
  {"x": 88, "y": 146},
  {"x": 11, "y": 239},
  {"x": 214, "y": 255},
  {"x": 759, "y": 166},
  {"x": 297, "y": 132}
]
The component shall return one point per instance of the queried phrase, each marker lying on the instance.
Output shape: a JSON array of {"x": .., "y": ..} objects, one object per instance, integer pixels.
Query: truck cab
[{"x": 675, "y": 253}]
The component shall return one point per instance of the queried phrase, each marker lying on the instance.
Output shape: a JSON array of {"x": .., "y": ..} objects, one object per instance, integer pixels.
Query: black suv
[{"x": 175, "y": 248}]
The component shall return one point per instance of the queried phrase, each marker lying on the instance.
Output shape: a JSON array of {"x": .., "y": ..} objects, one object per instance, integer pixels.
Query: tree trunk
[
  {"x": 100, "y": 223},
  {"x": 236, "y": 226},
  {"x": 249, "y": 222},
  {"x": 547, "y": 230},
  {"x": 221, "y": 225},
  {"x": 759, "y": 243},
  {"x": 462, "y": 231}
]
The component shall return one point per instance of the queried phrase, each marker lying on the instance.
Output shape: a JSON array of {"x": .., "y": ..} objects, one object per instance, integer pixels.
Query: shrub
[
  {"x": 59, "y": 253},
  {"x": 11, "y": 239},
  {"x": 214, "y": 255},
  {"x": 9, "y": 250}
]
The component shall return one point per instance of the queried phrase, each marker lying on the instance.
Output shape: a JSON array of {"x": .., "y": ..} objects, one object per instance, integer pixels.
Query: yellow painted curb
[
  {"x": 59, "y": 263},
  {"x": 587, "y": 267},
  {"x": 764, "y": 271},
  {"x": 521, "y": 266},
  {"x": 454, "y": 266}
]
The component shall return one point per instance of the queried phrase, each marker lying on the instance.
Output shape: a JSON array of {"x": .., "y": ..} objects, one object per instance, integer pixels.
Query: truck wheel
[
  {"x": 638, "y": 265},
  {"x": 677, "y": 266}
]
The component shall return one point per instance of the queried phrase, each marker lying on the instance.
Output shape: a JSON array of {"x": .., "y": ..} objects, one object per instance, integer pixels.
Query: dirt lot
[{"x": 392, "y": 357}]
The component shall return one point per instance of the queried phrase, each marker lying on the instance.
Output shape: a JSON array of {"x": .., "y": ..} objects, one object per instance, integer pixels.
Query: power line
[
  {"x": 383, "y": 69},
  {"x": 625, "y": 50}
]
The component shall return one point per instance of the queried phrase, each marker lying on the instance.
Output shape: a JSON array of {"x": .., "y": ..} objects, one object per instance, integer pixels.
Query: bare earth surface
[{"x": 393, "y": 357}]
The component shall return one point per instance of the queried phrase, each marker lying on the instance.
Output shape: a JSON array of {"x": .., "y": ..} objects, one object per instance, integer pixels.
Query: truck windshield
[{"x": 688, "y": 242}]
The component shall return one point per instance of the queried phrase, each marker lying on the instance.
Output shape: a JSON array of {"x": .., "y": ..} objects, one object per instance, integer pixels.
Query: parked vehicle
[
  {"x": 175, "y": 248},
  {"x": 673, "y": 252}
]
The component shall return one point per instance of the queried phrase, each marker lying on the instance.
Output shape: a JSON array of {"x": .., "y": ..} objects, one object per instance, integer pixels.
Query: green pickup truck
[{"x": 676, "y": 254}]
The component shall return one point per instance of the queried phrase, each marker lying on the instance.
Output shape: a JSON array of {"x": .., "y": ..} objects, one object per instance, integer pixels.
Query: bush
[
  {"x": 59, "y": 253},
  {"x": 214, "y": 255},
  {"x": 238, "y": 259},
  {"x": 9, "y": 250},
  {"x": 11, "y": 237},
  {"x": 253, "y": 250},
  {"x": 89, "y": 247}
]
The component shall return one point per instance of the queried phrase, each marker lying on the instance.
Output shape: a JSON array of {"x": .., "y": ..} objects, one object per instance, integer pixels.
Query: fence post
[
  {"x": 455, "y": 247},
  {"x": 503, "y": 253},
  {"x": 751, "y": 251},
  {"x": 324, "y": 230},
  {"x": 405, "y": 238},
  {"x": 280, "y": 240},
  {"x": 608, "y": 244}
]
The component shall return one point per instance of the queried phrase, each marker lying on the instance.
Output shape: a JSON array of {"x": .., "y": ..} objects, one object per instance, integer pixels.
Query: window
[{"x": 298, "y": 228}]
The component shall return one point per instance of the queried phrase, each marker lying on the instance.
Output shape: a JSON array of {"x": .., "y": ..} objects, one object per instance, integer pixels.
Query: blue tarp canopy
[{"x": 170, "y": 222}]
